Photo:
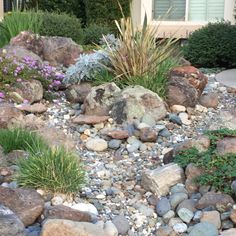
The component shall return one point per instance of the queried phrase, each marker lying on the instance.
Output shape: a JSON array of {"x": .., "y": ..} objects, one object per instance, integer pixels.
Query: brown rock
[
  {"x": 118, "y": 134},
  {"x": 85, "y": 119},
  {"x": 219, "y": 200},
  {"x": 191, "y": 186},
  {"x": 60, "y": 51},
  {"x": 211, "y": 217},
  {"x": 100, "y": 99},
  {"x": 67, "y": 213},
  {"x": 35, "y": 108},
  {"x": 78, "y": 92},
  {"x": 209, "y": 100},
  {"x": 30, "y": 90},
  {"x": 148, "y": 135},
  {"x": 185, "y": 86},
  {"x": 30, "y": 41},
  {"x": 226, "y": 146},
  {"x": 26, "y": 204},
  {"x": 192, "y": 171},
  {"x": 233, "y": 216},
  {"x": 8, "y": 113}
]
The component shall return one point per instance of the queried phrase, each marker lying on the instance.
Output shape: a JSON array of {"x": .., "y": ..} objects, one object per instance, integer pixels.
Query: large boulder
[
  {"x": 185, "y": 86},
  {"x": 77, "y": 93},
  {"x": 136, "y": 101},
  {"x": 69, "y": 228},
  {"x": 60, "y": 51},
  {"x": 20, "y": 54},
  {"x": 226, "y": 146},
  {"x": 8, "y": 114},
  {"x": 10, "y": 224},
  {"x": 30, "y": 90},
  {"x": 30, "y": 41},
  {"x": 100, "y": 99},
  {"x": 26, "y": 204}
]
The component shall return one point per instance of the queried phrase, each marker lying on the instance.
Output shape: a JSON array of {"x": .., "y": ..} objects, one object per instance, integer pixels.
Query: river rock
[
  {"x": 96, "y": 144},
  {"x": 209, "y": 100},
  {"x": 35, "y": 108},
  {"x": 148, "y": 135},
  {"x": 162, "y": 178},
  {"x": 90, "y": 120},
  {"x": 229, "y": 232},
  {"x": 26, "y": 204},
  {"x": 163, "y": 206},
  {"x": 10, "y": 224},
  {"x": 204, "y": 229},
  {"x": 122, "y": 224},
  {"x": 226, "y": 146},
  {"x": 212, "y": 217},
  {"x": 177, "y": 198}
]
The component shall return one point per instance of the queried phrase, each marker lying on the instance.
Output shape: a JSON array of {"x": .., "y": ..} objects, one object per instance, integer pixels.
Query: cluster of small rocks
[{"x": 122, "y": 159}]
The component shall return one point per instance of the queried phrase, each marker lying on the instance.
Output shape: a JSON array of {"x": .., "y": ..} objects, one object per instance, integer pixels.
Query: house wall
[
  {"x": 1, "y": 9},
  {"x": 180, "y": 29}
]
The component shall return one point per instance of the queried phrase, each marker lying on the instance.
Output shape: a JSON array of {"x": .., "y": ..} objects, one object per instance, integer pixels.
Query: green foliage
[
  {"x": 63, "y": 25},
  {"x": 93, "y": 33},
  {"x": 105, "y": 11},
  {"x": 15, "y": 22},
  {"x": 53, "y": 170},
  {"x": 212, "y": 46},
  {"x": 218, "y": 171},
  {"x": 19, "y": 139}
]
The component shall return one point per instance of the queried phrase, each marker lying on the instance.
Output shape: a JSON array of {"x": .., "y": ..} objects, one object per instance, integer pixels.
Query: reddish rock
[
  {"x": 8, "y": 113},
  {"x": 185, "y": 86},
  {"x": 192, "y": 171},
  {"x": 191, "y": 186},
  {"x": 35, "y": 108},
  {"x": 26, "y": 204},
  {"x": 148, "y": 135},
  {"x": 67, "y": 213},
  {"x": 118, "y": 134},
  {"x": 219, "y": 200},
  {"x": 227, "y": 146},
  {"x": 92, "y": 120},
  {"x": 233, "y": 216},
  {"x": 209, "y": 100},
  {"x": 212, "y": 217},
  {"x": 78, "y": 92}
]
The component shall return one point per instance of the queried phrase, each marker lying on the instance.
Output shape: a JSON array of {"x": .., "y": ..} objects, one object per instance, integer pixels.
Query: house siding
[
  {"x": 1, "y": 9},
  {"x": 179, "y": 29}
]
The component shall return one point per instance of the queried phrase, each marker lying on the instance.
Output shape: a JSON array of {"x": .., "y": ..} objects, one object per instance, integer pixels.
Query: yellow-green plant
[{"x": 139, "y": 52}]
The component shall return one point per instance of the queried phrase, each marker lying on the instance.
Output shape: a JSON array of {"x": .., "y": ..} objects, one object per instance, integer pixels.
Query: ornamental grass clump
[
  {"x": 58, "y": 171},
  {"x": 139, "y": 53}
]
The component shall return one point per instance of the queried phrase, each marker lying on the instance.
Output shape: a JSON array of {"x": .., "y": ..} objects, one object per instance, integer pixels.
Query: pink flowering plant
[{"x": 13, "y": 72}]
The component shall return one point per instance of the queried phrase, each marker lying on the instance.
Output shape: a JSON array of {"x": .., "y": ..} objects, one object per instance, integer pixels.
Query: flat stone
[
  {"x": 162, "y": 178},
  {"x": 212, "y": 217},
  {"x": 10, "y": 224},
  {"x": 35, "y": 108},
  {"x": 118, "y": 134},
  {"x": 224, "y": 201},
  {"x": 69, "y": 228},
  {"x": 85, "y": 207},
  {"x": 229, "y": 232},
  {"x": 122, "y": 224},
  {"x": 204, "y": 229},
  {"x": 226, "y": 146},
  {"x": 91, "y": 120},
  {"x": 67, "y": 213},
  {"x": 96, "y": 144},
  {"x": 185, "y": 215},
  {"x": 163, "y": 206},
  {"x": 227, "y": 78},
  {"x": 26, "y": 204},
  {"x": 180, "y": 228}
]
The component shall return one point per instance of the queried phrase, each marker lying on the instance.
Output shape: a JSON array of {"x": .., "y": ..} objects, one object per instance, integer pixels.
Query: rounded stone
[
  {"x": 163, "y": 206},
  {"x": 114, "y": 144},
  {"x": 96, "y": 144},
  {"x": 177, "y": 198},
  {"x": 180, "y": 228},
  {"x": 185, "y": 215},
  {"x": 204, "y": 229},
  {"x": 122, "y": 224}
]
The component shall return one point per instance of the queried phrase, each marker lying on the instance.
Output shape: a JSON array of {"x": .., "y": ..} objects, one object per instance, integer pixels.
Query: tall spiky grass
[
  {"x": 139, "y": 53},
  {"x": 17, "y": 21}
]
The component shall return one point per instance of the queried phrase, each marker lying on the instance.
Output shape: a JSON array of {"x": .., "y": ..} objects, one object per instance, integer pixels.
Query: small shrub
[
  {"x": 19, "y": 139},
  {"x": 218, "y": 171},
  {"x": 16, "y": 22},
  {"x": 86, "y": 67},
  {"x": 93, "y": 33},
  {"x": 53, "y": 170},
  {"x": 63, "y": 25},
  {"x": 212, "y": 46}
]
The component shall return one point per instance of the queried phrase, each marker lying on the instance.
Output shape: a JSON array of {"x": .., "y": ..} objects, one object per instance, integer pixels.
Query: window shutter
[
  {"x": 215, "y": 9},
  {"x": 197, "y": 10},
  {"x": 178, "y": 10}
]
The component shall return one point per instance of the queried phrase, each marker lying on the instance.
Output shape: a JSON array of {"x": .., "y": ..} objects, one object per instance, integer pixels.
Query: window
[{"x": 198, "y": 10}]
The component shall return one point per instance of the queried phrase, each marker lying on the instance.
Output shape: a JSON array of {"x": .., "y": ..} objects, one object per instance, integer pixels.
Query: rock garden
[{"x": 129, "y": 138}]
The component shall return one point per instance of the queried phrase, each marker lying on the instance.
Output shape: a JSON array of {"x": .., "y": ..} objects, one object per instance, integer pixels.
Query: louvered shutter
[{"x": 175, "y": 9}]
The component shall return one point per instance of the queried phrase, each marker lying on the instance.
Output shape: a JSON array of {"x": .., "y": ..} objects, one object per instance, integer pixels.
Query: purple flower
[{"x": 2, "y": 95}]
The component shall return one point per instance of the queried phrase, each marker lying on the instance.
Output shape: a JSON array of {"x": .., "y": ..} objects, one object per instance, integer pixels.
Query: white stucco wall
[{"x": 1, "y": 9}]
